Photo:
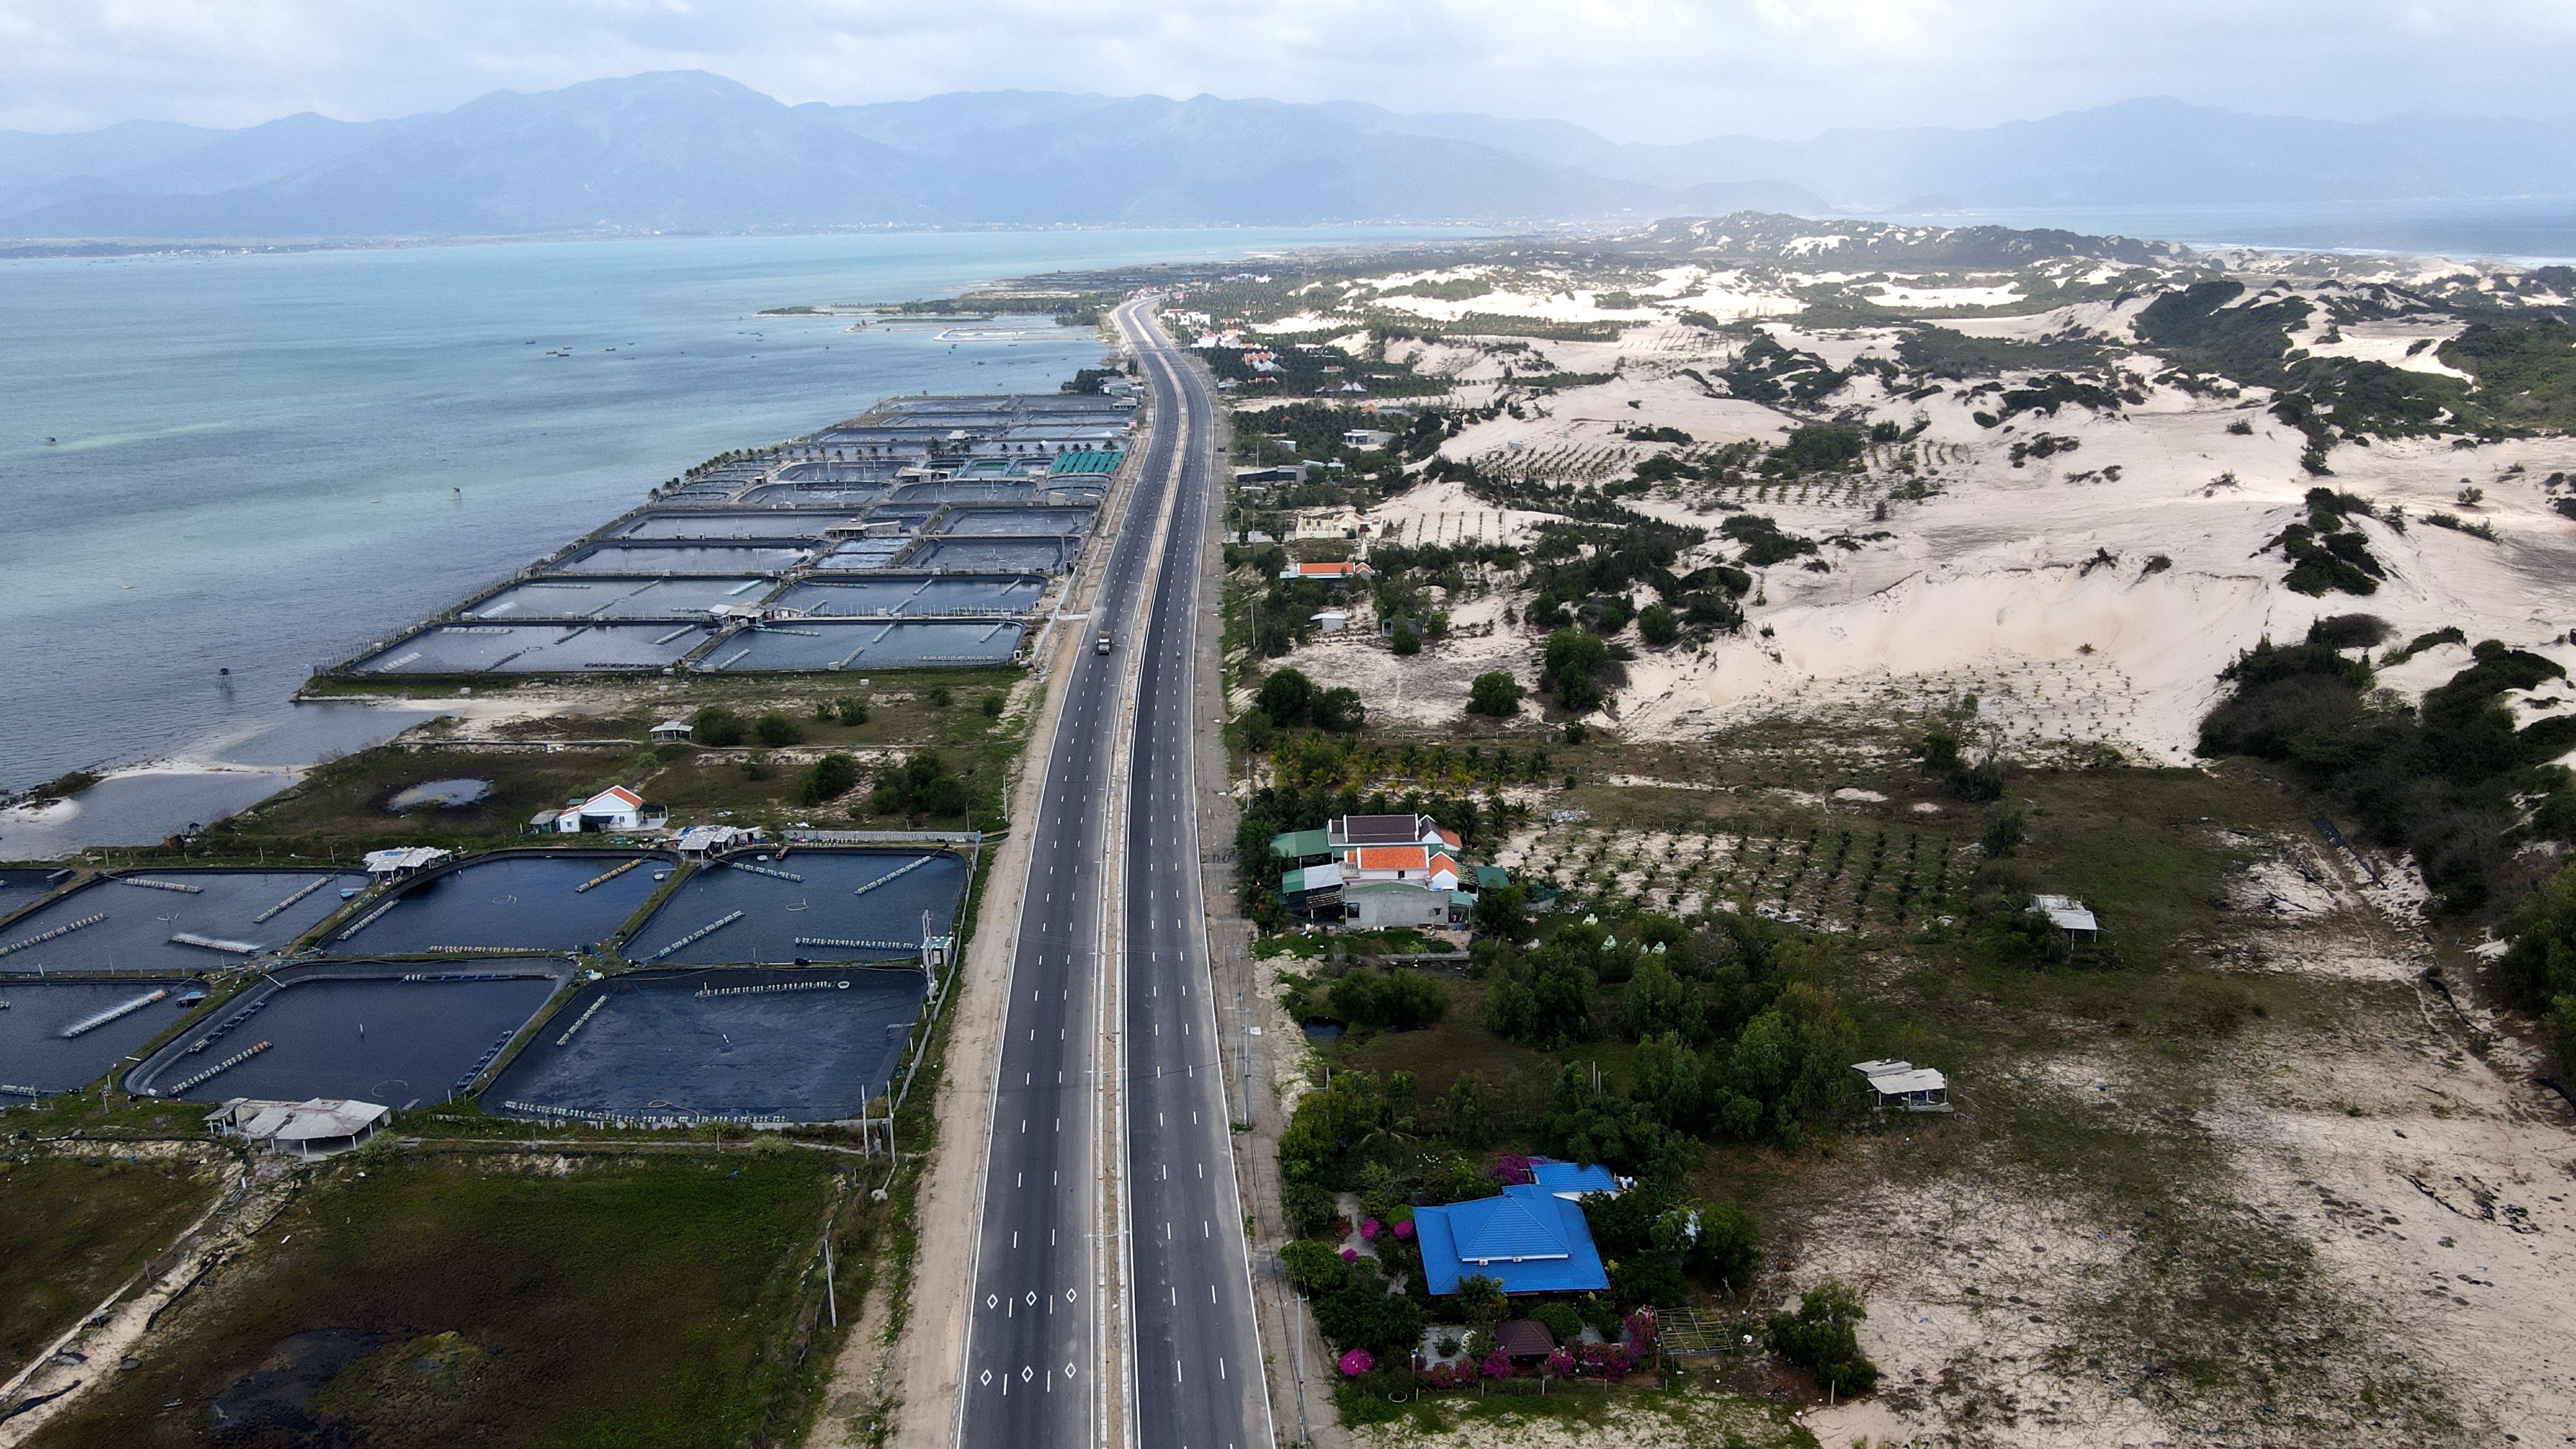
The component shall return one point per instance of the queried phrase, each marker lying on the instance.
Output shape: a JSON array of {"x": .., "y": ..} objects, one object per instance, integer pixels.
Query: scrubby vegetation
[{"x": 2441, "y": 780}]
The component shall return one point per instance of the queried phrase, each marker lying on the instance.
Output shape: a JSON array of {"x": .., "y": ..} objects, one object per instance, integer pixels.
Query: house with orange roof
[
  {"x": 615, "y": 808},
  {"x": 1328, "y": 572}
]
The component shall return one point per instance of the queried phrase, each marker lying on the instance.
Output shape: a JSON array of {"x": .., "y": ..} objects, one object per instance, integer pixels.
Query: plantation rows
[
  {"x": 1564, "y": 463},
  {"x": 1828, "y": 874}
]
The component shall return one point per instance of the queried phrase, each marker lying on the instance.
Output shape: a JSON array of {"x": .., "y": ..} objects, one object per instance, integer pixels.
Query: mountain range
[{"x": 696, "y": 153}]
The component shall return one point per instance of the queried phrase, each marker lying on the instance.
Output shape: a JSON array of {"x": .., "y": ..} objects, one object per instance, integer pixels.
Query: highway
[
  {"x": 1176, "y": 1361},
  {"x": 1198, "y": 1371}
]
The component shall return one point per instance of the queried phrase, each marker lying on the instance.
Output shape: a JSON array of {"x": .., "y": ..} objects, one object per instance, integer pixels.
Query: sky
[{"x": 1635, "y": 70}]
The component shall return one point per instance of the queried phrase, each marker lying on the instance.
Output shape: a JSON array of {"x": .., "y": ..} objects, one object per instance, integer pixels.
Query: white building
[
  {"x": 615, "y": 808},
  {"x": 315, "y": 1128},
  {"x": 1905, "y": 1086},
  {"x": 401, "y": 862},
  {"x": 700, "y": 841},
  {"x": 2067, "y": 914}
]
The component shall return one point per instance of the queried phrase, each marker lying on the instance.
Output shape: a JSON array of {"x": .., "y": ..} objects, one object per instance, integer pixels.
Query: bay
[{"x": 217, "y": 472}]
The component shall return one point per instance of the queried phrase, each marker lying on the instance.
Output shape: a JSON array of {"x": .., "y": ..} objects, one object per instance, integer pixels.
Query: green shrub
[
  {"x": 1308, "y": 1208},
  {"x": 716, "y": 727},
  {"x": 1285, "y": 697},
  {"x": 853, "y": 711},
  {"x": 1819, "y": 1338},
  {"x": 1404, "y": 640},
  {"x": 920, "y": 786},
  {"x": 1314, "y": 1268},
  {"x": 992, "y": 706},
  {"x": 1496, "y": 694},
  {"x": 1561, "y": 1320},
  {"x": 2004, "y": 832},
  {"x": 1481, "y": 1301},
  {"x": 828, "y": 778},
  {"x": 1572, "y": 668},
  {"x": 1657, "y": 626},
  {"x": 941, "y": 696},
  {"x": 776, "y": 730},
  {"x": 1392, "y": 1000}
]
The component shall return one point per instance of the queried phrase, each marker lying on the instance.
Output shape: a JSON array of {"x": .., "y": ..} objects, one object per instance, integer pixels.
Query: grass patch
[
  {"x": 1631, "y": 1414},
  {"x": 436, "y": 1300},
  {"x": 73, "y": 1226}
]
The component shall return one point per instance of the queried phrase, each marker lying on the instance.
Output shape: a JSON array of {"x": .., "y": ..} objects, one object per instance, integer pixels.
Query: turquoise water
[{"x": 262, "y": 463}]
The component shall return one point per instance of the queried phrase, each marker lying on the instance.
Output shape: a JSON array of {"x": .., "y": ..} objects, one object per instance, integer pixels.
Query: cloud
[{"x": 1634, "y": 69}]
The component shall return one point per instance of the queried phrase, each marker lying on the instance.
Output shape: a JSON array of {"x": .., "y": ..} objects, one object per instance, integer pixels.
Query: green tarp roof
[{"x": 1297, "y": 844}]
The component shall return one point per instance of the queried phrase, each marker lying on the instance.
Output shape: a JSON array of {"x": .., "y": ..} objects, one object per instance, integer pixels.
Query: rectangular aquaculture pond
[
  {"x": 967, "y": 490},
  {"x": 1015, "y": 522},
  {"x": 813, "y": 495},
  {"x": 781, "y": 1045},
  {"x": 893, "y": 644},
  {"x": 812, "y": 904},
  {"x": 21, "y": 888},
  {"x": 618, "y": 557},
  {"x": 735, "y": 523},
  {"x": 996, "y": 555},
  {"x": 504, "y": 904},
  {"x": 866, "y": 553},
  {"x": 918, "y": 594},
  {"x": 390, "y": 1034},
  {"x": 536, "y": 648},
  {"x": 60, "y": 1036},
  {"x": 611, "y": 597},
  {"x": 154, "y": 921}
]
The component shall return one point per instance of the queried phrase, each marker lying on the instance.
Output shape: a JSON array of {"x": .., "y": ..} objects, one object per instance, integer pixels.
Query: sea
[{"x": 218, "y": 472}]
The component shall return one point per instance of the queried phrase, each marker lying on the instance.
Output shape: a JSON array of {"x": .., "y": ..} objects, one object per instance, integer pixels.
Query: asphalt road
[
  {"x": 1197, "y": 1351},
  {"x": 1033, "y": 1368}
]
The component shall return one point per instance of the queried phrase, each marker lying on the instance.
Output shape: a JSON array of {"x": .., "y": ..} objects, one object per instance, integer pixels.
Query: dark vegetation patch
[
  {"x": 2526, "y": 370},
  {"x": 74, "y": 1227},
  {"x": 2442, "y": 780},
  {"x": 2329, "y": 553},
  {"x": 445, "y": 1300},
  {"x": 1941, "y": 352},
  {"x": 1763, "y": 540},
  {"x": 1816, "y": 448},
  {"x": 1311, "y": 370},
  {"x": 2045, "y": 395},
  {"x": 1763, "y": 371}
]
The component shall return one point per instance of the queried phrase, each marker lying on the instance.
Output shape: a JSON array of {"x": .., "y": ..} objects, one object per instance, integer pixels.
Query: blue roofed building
[
  {"x": 1529, "y": 1239},
  {"x": 1573, "y": 1180}
]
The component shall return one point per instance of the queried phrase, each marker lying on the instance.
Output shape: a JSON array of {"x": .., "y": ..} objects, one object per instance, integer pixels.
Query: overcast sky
[{"x": 1642, "y": 70}]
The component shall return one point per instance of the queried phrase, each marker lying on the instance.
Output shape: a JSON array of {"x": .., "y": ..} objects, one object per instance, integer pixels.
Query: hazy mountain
[{"x": 697, "y": 153}]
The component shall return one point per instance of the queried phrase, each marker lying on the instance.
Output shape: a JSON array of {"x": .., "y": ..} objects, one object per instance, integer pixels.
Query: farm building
[
  {"x": 1904, "y": 1086},
  {"x": 2068, "y": 915},
  {"x": 319, "y": 1127}
]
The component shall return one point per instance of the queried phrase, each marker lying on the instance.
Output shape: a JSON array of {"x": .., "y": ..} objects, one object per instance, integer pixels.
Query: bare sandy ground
[
  {"x": 2094, "y": 594},
  {"x": 2403, "y": 1162}
]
